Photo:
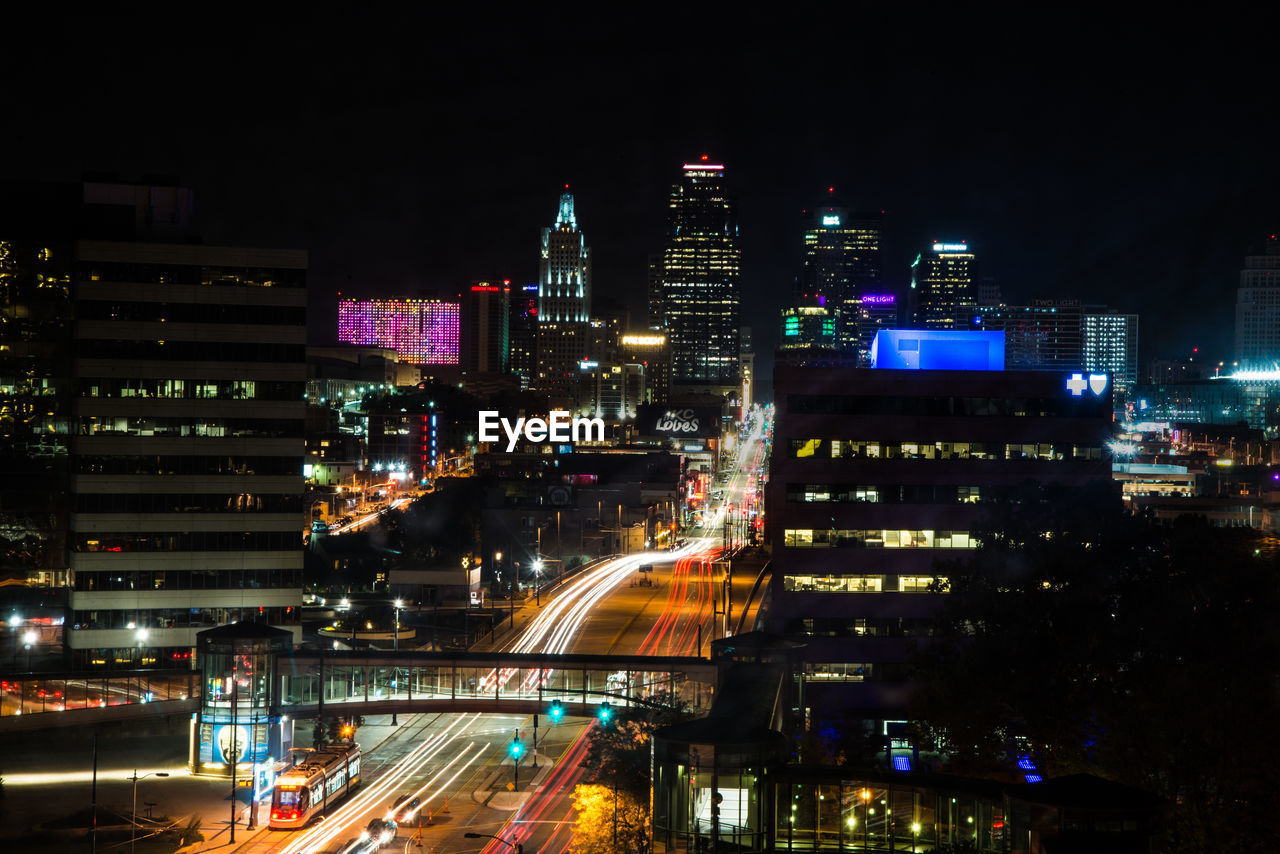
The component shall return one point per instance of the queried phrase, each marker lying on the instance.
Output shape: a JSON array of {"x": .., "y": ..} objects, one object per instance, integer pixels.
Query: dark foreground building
[{"x": 878, "y": 474}]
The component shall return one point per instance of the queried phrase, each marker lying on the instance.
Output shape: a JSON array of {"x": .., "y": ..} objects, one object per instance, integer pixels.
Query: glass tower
[
  {"x": 943, "y": 286},
  {"x": 701, "y": 287}
]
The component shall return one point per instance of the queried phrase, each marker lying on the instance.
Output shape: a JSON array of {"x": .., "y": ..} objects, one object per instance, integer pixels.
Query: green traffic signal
[
  {"x": 516, "y": 748},
  {"x": 606, "y": 712},
  {"x": 557, "y": 711}
]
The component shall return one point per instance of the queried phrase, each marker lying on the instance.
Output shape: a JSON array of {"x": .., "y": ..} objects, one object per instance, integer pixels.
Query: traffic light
[
  {"x": 606, "y": 712},
  {"x": 516, "y": 748},
  {"x": 557, "y": 711}
]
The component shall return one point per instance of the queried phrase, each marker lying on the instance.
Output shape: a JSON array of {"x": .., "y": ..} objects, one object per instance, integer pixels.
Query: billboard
[{"x": 678, "y": 422}]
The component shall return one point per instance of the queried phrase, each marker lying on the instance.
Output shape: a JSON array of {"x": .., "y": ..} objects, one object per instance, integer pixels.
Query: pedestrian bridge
[{"x": 311, "y": 684}]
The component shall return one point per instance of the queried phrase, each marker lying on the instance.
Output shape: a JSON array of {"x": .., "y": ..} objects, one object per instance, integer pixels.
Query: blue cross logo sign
[{"x": 1096, "y": 383}]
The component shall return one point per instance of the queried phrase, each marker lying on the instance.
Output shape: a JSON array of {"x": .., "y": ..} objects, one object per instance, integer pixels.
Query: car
[
  {"x": 380, "y": 831},
  {"x": 405, "y": 808}
]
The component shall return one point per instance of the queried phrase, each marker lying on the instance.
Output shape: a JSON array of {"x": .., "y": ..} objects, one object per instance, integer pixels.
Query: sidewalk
[{"x": 217, "y": 831}]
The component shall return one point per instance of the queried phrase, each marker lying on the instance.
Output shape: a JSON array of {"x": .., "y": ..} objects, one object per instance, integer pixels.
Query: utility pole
[{"x": 234, "y": 757}]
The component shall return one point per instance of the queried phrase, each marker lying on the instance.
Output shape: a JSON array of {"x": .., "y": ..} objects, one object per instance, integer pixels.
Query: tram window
[{"x": 288, "y": 797}]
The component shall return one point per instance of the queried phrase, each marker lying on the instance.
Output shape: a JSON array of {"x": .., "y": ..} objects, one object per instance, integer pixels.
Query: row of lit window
[
  {"x": 844, "y": 493},
  {"x": 876, "y": 538},
  {"x": 853, "y": 449},
  {"x": 183, "y": 618},
  {"x": 859, "y": 583}
]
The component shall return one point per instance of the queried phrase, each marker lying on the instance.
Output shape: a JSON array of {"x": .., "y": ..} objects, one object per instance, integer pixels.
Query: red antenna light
[
  {"x": 831, "y": 189},
  {"x": 704, "y": 158},
  {"x": 566, "y": 186}
]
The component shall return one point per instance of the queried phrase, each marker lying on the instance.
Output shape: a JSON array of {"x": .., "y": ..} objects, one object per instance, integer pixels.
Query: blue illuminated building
[{"x": 937, "y": 350}]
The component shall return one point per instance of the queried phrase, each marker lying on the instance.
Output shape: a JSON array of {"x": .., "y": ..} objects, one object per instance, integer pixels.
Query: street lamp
[
  {"x": 28, "y": 638},
  {"x": 516, "y": 845},
  {"x": 396, "y": 628},
  {"x": 141, "y": 635},
  {"x": 537, "y": 582},
  {"x": 396, "y": 648},
  {"x": 133, "y": 816}
]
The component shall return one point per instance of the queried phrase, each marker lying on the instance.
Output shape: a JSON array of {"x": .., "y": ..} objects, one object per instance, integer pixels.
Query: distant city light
[
  {"x": 950, "y": 247},
  {"x": 421, "y": 331}
]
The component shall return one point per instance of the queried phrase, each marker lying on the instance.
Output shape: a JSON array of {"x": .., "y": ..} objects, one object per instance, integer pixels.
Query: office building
[
  {"x": 188, "y": 446},
  {"x": 1110, "y": 342},
  {"x": 564, "y": 269},
  {"x": 842, "y": 262},
  {"x": 35, "y": 401},
  {"x": 701, "y": 288},
  {"x": 657, "y": 315},
  {"x": 943, "y": 286},
  {"x": 1046, "y": 335},
  {"x": 879, "y": 473},
  {"x": 610, "y": 390},
  {"x": 421, "y": 331},
  {"x": 808, "y": 327},
  {"x": 875, "y": 312},
  {"x": 522, "y": 353},
  {"x": 650, "y": 349},
  {"x": 486, "y": 319},
  {"x": 564, "y": 303},
  {"x": 1258, "y": 308}
]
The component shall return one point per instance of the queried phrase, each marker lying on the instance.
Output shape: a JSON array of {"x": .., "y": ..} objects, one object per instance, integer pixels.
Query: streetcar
[{"x": 308, "y": 788}]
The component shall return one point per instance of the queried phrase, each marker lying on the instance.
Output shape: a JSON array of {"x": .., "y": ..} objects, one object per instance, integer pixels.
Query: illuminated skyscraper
[
  {"x": 564, "y": 273},
  {"x": 1110, "y": 341},
  {"x": 522, "y": 358},
  {"x": 841, "y": 263},
  {"x": 701, "y": 288},
  {"x": 564, "y": 302},
  {"x": 1258, "y": 308},
  {"x": 487, "y": 319},
  {"x": 422, "y": 331},
  {"x": 943, "y": 286}
]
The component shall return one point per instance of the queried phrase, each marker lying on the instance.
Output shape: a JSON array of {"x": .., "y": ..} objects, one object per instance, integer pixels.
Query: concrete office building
[
  {"x": 188, "y": 447},
  {"x": 878, "y": 473}
]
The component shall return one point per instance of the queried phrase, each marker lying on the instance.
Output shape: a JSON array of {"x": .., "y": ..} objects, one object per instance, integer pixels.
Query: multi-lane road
[{"x": 459, "y": 769}]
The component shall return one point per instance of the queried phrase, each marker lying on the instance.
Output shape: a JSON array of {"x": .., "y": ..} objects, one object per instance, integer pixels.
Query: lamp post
[
  {"x": 537, "y": 582},
  {"x": 133, "y": 815},
  {"x": 396, "y": 642},
  {"x": 516, "y": 845}
]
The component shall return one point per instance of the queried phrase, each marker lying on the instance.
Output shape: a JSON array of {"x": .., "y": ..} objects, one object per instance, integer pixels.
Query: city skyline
[{"x": 1111, "y": 182}]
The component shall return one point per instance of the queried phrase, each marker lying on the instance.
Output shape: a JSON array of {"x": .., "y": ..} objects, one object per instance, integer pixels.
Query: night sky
[{"x": 1132, "y": 165}]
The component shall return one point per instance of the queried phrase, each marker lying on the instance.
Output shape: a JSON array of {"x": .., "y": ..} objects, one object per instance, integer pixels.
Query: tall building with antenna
[
  {"x": 701, "y": 282},
  {"x": 564, "y": 301}
]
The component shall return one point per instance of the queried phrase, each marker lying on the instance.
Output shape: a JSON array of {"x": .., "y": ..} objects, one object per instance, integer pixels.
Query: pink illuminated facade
[{"x": 422, "y": 331}]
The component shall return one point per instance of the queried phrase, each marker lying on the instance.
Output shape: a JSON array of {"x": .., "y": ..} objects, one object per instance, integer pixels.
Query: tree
[
  {"x": 319, "y": 735},
  {"x": 618, "y": 752},
  {"x": 597, "y": 807},
  {"x": 1093, "y": 640}
]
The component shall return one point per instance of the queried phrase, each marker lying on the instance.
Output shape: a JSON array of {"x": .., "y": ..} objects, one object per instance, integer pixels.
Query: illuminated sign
[
  {"x": 1076, "y": 384},
  {"x": 937, "y": 350},
  {"x": 684, "y": 422},
  {"x": 586, "y": 366},
  {"x": 950, "y": 247},
  {"x": 831, "y": 219},
  {"x": 644, "y": 340},
  {"x": 696, "y": 166},
  {"x": 555, "y": 428},
  {"x": 878, "y": 299}
]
